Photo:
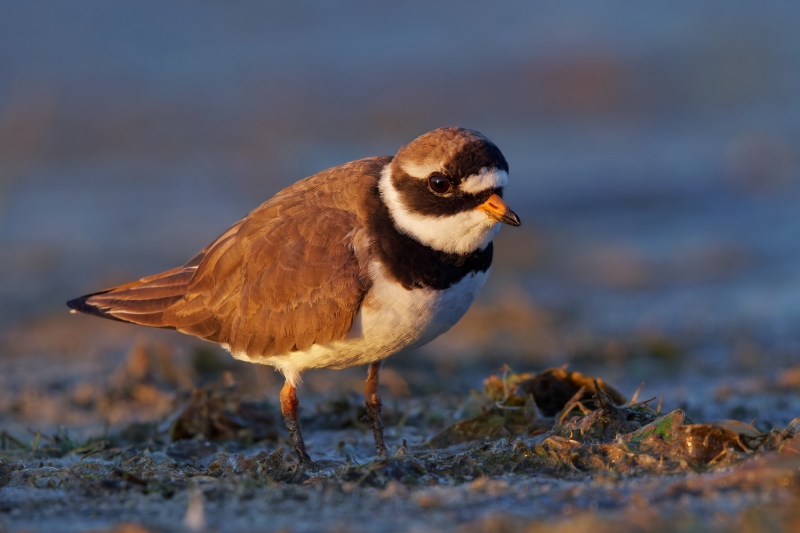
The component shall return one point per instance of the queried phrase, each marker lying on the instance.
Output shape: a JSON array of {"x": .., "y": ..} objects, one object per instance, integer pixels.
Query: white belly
[{"x": 391, "y": 320}]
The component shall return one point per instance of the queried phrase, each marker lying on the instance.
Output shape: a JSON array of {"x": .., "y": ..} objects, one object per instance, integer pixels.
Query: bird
[{"x": 347, "y": 267}]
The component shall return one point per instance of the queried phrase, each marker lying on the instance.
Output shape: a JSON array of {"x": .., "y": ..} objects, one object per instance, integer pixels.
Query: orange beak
[{"x": 497, "y": 209}]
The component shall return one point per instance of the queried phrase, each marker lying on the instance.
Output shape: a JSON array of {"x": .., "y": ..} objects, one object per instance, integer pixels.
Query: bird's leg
[
  {"x": 289, "y": 405},
  {"x": 373, "y": 401}
]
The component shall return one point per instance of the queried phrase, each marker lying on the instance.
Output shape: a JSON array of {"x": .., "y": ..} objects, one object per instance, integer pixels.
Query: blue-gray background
[{"x": 654, "y": 151}]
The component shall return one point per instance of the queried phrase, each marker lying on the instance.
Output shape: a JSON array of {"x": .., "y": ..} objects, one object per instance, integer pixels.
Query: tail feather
[
  {"x": 139, "y": 302},
  {"x": 82, "y": 305}
]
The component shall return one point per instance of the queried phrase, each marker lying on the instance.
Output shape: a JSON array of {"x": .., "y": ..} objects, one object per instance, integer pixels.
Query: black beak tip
[{"x": 511, "y": 218}]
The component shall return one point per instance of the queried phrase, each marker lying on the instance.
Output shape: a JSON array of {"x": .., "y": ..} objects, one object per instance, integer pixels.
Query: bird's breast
[{"x": 399, "y": 319}]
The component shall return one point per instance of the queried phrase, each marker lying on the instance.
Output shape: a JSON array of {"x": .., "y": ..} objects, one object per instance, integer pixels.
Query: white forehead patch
[
  {"x": 462, "y": 233},
  {"x": 487, "y": 178},
  {"x": 420, "y": 170}
]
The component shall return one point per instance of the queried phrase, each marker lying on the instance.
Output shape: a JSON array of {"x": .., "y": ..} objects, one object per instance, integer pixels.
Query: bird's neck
[{"x": 415, "y": 264}]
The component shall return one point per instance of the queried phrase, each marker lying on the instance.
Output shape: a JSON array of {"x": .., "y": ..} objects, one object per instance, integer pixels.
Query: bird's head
[{"x": 445, "y": 188}]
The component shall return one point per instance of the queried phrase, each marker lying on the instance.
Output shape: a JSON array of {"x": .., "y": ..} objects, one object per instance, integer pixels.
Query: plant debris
[
  {"x": 554, "y": 436},
  {"x": 555, "y": 387},
  {"x": 526, "y": 404},
  {"x": 218, "y": 413},
  {"x": 612, "y": 438}
]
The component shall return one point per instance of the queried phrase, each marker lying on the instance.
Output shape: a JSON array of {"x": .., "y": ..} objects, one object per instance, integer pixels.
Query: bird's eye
[{"x": 439, "y": 184}]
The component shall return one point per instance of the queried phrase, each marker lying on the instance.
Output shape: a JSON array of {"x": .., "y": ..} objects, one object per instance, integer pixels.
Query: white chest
[
  {"x": 391, "y": 320},
  {"x": 401, "y": 319}
]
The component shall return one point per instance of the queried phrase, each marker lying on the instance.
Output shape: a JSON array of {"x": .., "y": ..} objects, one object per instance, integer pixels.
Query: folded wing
[{"x": 287, "y": 276}]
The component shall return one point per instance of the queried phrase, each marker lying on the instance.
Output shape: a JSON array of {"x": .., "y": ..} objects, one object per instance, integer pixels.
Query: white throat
[{"x": 461, "y": 233}]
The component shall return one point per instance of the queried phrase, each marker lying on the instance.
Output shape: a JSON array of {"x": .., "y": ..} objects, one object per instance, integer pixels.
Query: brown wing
[
  {"x": 291, "y": 274},
  {"x": 143, "y": 301}
]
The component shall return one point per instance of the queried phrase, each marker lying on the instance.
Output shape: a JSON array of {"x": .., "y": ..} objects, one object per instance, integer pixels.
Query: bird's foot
[
  {"x": 383, "y": 452},
  {"x": 373, "y": 418},
  {"x": 296, "y": 435}
]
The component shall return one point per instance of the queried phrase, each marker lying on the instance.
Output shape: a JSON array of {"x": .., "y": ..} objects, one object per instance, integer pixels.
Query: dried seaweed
[
  {"x": 555, "y": 387},
  {"x": 525, "y": 404},
  {"x": 218, "y": 413},
  {"x": 612, "y": 438}
]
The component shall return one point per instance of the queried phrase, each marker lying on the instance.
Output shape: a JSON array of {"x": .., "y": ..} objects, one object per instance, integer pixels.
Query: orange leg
[
  {"x": 373, "y": 401},
  {"x": 289, "y": 405}
]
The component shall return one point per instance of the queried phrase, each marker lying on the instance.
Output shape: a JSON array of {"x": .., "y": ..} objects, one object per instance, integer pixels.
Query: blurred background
[{"x": 655, "y": 162}]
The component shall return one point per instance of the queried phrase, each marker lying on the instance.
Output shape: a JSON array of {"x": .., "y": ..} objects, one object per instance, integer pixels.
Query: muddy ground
[{"x": 167, "y": 437}]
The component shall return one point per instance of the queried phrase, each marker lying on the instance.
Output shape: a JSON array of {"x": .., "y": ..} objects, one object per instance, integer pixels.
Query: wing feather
[{"x": 291, "y": 274}]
